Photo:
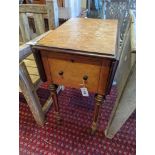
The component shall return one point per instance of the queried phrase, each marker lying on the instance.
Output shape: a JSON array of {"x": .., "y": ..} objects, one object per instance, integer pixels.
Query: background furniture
[
  {"x": 28, "y": 72},
  {"x": 125, "y": 78},
  {"x": 66, "y": 8}
]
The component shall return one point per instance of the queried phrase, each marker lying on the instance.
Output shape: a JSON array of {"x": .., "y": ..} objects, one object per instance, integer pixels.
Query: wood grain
[
  {"x": 30, "y": 94},
  {"x": 72, "y": 57},
  {"x": 47, "y": 68},
  {"x": 74, "y": 68},
  {"x": 24, "y": 26},
  {"x": 103, "y": 77},
  {"x": 73, "y": 74},
  {"x": 39, "y": 23},
  {"x": 29, "y": 78},
  {"x": 35, "y": 8},
  {"x": 39, "y": 1},
  {"x": 37, "y": 12},
  {"x": 93, "y": 35}
]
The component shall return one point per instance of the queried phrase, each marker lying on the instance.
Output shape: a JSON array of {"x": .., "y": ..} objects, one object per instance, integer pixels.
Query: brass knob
[
  {"x": 85, "y": 77},
  {"x": 61, "y": 73}
]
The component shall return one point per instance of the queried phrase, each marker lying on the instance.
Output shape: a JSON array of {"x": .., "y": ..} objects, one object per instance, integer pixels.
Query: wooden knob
[
  {"x": 61, "y": 73},
  {"x": 85, "y": 77}
]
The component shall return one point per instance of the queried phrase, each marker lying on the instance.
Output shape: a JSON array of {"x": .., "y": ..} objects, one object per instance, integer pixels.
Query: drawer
[{"x": 73, "y": 73}]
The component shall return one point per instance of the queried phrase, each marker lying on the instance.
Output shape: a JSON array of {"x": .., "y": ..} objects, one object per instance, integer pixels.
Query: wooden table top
[{"x": 84, "y": 34}]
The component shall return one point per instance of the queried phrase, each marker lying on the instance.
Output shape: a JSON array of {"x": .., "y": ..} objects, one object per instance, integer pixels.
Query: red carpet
[{"x": 71, "y": 137}]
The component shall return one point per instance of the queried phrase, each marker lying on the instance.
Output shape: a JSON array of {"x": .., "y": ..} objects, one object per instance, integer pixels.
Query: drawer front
[{"x": 73, "y": 73}]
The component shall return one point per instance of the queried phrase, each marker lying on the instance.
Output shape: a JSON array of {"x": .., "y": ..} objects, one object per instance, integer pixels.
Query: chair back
[{"x": 32, "y": 19}]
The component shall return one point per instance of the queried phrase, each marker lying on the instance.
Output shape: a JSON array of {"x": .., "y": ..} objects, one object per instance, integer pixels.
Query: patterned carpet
[{"x": 72, "y": 137}]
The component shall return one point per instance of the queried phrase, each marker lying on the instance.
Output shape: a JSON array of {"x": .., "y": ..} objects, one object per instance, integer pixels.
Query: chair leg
[{"x": 30, "y": 95}]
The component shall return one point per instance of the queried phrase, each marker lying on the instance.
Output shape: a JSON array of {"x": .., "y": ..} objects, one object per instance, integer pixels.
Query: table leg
[
  {"x": 52, "y": 88},
  {"x": 98, "y": 101}
]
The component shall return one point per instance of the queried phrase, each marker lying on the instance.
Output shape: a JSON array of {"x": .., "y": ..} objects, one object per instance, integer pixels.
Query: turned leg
[
  {"x": 52, "y": 88},
  {"x": 98, "y": 101}
]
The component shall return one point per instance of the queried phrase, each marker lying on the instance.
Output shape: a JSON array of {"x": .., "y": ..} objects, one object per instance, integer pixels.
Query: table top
[{"x": 84, "y": 34}]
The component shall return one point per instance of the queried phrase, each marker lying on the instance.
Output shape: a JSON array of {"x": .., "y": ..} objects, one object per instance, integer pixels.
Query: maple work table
[{"x": 81, "y": 53}]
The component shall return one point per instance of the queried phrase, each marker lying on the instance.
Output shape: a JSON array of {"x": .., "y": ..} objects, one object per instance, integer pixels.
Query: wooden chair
[
  {"x": 28, "y": 73},
  {"x": 37, "y": 13},
  {"x": 67, "y": 8}
]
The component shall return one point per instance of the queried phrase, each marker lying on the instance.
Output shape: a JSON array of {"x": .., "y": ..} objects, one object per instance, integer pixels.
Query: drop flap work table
[{"x": 80, "y": 53}]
